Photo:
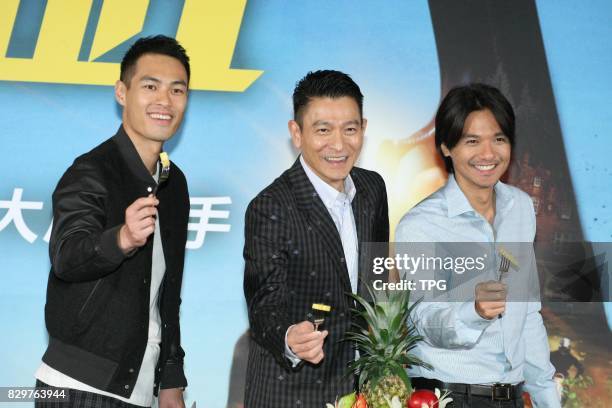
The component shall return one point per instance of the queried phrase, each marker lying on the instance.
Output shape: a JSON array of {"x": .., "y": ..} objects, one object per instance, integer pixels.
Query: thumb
[{"x": 304, "y": 327}]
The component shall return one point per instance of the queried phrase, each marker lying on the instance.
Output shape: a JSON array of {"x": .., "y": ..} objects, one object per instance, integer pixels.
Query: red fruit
[
  {"x": 361, "y": 402},
  {"x": 420, "y": 397}
]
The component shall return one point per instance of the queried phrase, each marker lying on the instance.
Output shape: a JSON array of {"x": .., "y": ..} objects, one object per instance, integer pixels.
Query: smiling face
[
  {"x": 482, "y": 155},
  {"x": 155, "y": 100},
  {"x": 330, "y": 137}
]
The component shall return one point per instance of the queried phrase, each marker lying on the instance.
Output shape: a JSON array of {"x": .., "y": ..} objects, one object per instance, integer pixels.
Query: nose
[
  {"x": 487, "y": 151},
  {"x": 163, "y": 97},
  {"x": 336, "y": 142}
]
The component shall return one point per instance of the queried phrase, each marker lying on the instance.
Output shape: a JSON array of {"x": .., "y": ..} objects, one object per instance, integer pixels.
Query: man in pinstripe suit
[{"x": 303, "y": 235}]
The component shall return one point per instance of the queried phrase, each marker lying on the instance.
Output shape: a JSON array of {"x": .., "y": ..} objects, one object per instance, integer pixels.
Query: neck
[
  {"x": 338, "y": 186},
  {"x": 148, "y": 150},
  {"x": 481, "y": 199}
]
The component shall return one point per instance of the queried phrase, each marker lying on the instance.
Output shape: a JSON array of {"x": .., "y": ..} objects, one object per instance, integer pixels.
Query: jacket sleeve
[
  {"x": 82, "y": 248},
  {"x": 265, "y": 275}
]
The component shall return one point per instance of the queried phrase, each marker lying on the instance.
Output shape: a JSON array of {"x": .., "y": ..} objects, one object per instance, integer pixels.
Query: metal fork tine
[{"x": 504, "y": 265}]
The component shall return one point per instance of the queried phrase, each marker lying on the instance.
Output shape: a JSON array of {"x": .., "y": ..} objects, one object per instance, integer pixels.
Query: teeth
[
  {"x": 485, "y": 168},
  {"x": 160, "y": 116},
  {"x": 336, "y": 159}
]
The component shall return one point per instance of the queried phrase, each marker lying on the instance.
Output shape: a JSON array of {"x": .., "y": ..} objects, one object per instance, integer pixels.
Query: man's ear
[
  {"x": 364, "y": 124},
  {"x": 445, "y": 150},
  {"x": 296, "y": 134},
  {"x": 120, "y": 91}
]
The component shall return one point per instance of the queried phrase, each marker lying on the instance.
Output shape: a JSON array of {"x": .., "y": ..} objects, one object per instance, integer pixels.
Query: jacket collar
[
  {"x": 131, "y": 157},
  {"x": 308, "y": 201}
]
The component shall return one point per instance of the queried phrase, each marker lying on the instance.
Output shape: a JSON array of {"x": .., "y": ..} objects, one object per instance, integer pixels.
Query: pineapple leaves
[{"x": 385, "y": 344}]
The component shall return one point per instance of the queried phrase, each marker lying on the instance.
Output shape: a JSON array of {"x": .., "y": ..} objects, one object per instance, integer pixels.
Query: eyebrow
[
  {"x": 478, "y": 136},
  {"x": 326, "y": 123},
  {"x": 158, "y": 81}
]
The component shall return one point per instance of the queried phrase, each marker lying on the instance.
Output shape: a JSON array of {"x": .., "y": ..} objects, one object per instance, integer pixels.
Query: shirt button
[
  {"x": 149, "y": 189},
  {"x": 131, "y": 370},
  {"x": 126, "y": 386}
]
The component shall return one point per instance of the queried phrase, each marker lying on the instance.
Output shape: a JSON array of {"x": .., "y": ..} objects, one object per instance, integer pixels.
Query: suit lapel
[
  {"x": 363, "y": 212},
  {"x": 319, "y": 220}
]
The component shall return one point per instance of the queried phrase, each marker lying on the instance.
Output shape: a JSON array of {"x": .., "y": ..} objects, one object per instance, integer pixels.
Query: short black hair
[
  {"x": 157, "y": 44},
  {"x": 457, "y": 106},
  {"x": 324, "y": 84}
]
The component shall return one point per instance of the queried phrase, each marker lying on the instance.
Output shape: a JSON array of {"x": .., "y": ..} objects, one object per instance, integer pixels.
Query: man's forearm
[
  {"x": 86, "y": 256},
  {"x": 449, "y": 325}
]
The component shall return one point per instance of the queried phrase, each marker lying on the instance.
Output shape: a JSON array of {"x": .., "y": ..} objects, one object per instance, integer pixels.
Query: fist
[
  {"x": 305, "y": 342},
  {"x": 139, "y": 223},
  {"x": 490, "y": 299}
]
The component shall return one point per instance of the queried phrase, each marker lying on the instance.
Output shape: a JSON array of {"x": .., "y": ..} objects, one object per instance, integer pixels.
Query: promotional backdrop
[{"x": 59, "y": 61}]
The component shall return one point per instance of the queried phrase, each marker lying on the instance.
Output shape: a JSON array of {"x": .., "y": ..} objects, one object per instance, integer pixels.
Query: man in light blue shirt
[{"x": 485, "y": 360}]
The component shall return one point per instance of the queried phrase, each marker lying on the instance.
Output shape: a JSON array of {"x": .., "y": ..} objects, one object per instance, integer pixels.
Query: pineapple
[{"x": 384, "y": 348}]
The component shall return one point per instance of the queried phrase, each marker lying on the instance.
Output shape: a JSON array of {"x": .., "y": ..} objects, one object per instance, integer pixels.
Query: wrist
[{"x": 124, "y": 242}]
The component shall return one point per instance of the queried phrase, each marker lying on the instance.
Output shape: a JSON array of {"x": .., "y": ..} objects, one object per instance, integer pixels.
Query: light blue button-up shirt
[{"x": 460, "y": 345}]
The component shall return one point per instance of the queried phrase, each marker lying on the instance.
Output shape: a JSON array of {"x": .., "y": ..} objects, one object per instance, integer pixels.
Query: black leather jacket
[{"x": 97, "y": 310}]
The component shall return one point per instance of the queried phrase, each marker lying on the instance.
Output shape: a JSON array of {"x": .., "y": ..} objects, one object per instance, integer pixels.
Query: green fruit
[{"x": 347, "y": 401}]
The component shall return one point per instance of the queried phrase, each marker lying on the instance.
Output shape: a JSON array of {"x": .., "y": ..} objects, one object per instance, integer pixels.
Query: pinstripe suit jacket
[{"x": 294, "y": 258}]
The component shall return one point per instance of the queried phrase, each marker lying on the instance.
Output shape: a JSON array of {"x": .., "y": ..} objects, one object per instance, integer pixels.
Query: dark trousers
[
  {"x": 467, "y": 401},
  {"x": 82, "y": 399}
]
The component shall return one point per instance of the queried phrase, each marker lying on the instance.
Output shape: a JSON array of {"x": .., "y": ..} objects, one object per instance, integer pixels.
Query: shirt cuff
[
  {"x": 548, "y": 398},
  {"x": 468, "y": 316},
  {"x": 290, "y": 355}
]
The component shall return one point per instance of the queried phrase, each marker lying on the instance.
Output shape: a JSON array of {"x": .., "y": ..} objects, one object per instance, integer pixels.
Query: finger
[
  {"x": 303, "y": 338},
  {"x": 145, "y": 212},
  {"x": 304, "y": 327},
  {"x": 310, "y": 355},
  {"x": 308, "y": 347},
  {"x": 496, "y": 305},
  {"x": 490, "y": 296},
  {"x": 491, "y": 305},
  {"x": 143, "y": 233},
  {"x": 492, "y": 286},
  {"x": 145, "y": 223},
  {"x": 494, "y": 312},
  {"x": 318, "y": 358},
  {"x": 144, "y": 202}
]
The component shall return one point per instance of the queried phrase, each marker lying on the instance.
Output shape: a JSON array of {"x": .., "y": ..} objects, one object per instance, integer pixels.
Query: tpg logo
[{"x": 208, "y": 29}]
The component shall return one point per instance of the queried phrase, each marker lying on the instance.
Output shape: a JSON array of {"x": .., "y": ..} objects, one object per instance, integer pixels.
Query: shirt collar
[
  {"x": 457, "y": 203},
  {"x": 327, "y": 193}
]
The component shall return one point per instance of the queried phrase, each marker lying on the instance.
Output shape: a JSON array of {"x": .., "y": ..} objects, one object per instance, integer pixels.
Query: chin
[
  {"x": 338, "y": 175},
  {"x": 487, "y": 184},
  {"x": 161, "y": 138}
]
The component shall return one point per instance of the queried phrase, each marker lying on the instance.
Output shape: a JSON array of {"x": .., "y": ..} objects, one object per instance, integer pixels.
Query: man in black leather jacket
[{"x": 117, "y": 248}]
